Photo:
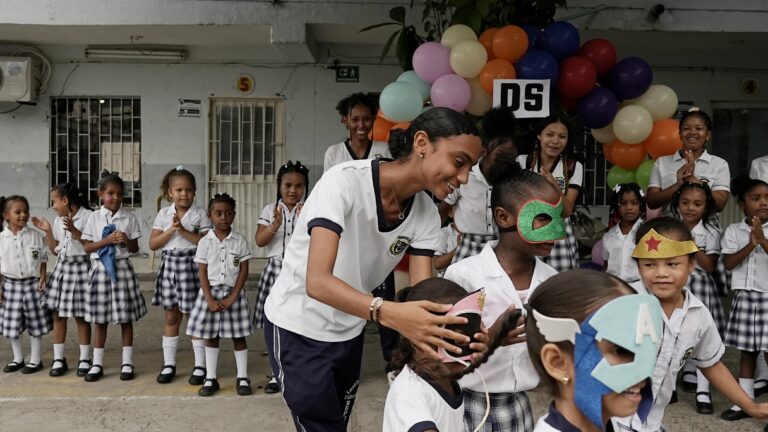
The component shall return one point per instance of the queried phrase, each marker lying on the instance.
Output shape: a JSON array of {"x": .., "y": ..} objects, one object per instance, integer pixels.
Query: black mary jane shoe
[
  {"x": 165, "y": 378},
  {"x": 704, "y": 407},
  {"x": 58, "y": 371},
  {"x": 13, "y": 366},
  {"x": 271, "y": 387},
  {"x": 209, "y": 390},
  {"x": 733, "y": 415},
  {"x": 31, "y": 368},
  {"x": 126, "y": 376},
  {"x": 94, "y": 376},
  {"x": 244, "y": 387},
  {"x": 83, "y": 371},
  {"x": 197, "y": 380},
  {"x": 689, "y": 387}
]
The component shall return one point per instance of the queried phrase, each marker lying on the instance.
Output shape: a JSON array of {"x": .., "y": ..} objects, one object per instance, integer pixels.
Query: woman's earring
[
  {"x": 566, "y": 380},
  {"x": 421, "y": 155}
]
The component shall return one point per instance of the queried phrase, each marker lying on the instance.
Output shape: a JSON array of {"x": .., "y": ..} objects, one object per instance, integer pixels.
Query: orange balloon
[
  {"x": 401, "y": 125},
  {"x": 380, "y": 129},
  {"x": 607, "y": 148},
  {"x": 664, "y": 139},
  {"x": 495, "y": 69},
  {"x": 487, "y": 40},
  {"x": 510, "y": 43},
  {"x": 627, "y": 156}
]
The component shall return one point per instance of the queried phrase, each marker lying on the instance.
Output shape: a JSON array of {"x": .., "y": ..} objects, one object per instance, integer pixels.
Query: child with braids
[
  {"x": 527, "y": 210},
  {"x": 627, "y": 211}
]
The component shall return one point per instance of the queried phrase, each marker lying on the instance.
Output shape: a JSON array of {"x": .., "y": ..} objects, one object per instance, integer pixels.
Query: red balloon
[
  {"x": 577, "y": 77},
  {"x": 627, "y": 156},
  {"x": 664, "y": 139},
  {"x": 601, "y": 53}
]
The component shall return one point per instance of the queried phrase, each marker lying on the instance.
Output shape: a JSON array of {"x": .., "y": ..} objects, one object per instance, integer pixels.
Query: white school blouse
[
  {"x": 752, "y": 273},
  {"x": 617, "y": 252},
  {"x": 194, "y": 220},
  {"x": 414, "y": 404},
  {"x": 68, "y": 246},
  {"x": 342, "y": 152},
  {"x": 575, "y": 181},
  {"x": 223, "y": 257},
  {"x": 710, "y": 169},
  {"x": 759, "y": 169},
  {"x": 21, "y": 254},
  {"x": 509, "y": 369},
  {"x": 472, "y": 205},
  {"x": 347, "y": 201},
  {"x": 707, "y": 238},
  {"x": 283, "y": 235},
  {"x": 124, "y": 221},
  {"x": 449, "y": 240}
]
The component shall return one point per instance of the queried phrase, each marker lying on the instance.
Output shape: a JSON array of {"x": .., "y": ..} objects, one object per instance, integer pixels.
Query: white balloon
[
  {"x": 660, "y": 101},
  {"x": 604, "y": 135},
  {"x": 457, "y": 33},
  {"x": 468, "y": 58},
  {"x": 632, "y": 124},
  {"x": 480, "y": 101}
]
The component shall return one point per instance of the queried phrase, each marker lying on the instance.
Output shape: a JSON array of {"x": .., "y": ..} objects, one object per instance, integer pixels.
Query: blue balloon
[
  {"x": 598, "y": 108},
  {"x": 537, "y": 64},
  {"x": 630, "y": 78},
  {"x": 410, "y": 77},
  {"x": 533, "y": 33},
  {"x": 561, "y": 39},
  {"x": 400, "y": 101}
]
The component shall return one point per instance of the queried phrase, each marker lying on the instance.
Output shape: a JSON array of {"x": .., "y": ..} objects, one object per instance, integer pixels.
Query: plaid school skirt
[
  {"x": 21, "y": 309},
  {"x": 177, "y": 283},
  {"x": 268, "y": 276},
  {"x": 471, "y": 245},
  {"x": 703, "y": 286},
  {"x": 234, "y": 322},
  {"x": 510, "y": 412},
  {"x": 748, "y": 322},
  {"x": 68, "y": 286},
  {"x": 117, "y": 303},
  {"x": 565, "y": 252}
]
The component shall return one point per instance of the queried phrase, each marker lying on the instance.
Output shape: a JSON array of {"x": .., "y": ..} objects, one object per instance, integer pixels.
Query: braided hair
[
  {"x": 512, "y": 185},
  {"x": 534, "y": 159},
  {"x": 221, "y": 198},
  {"x": 72, "y": 194},
  {"x": 290, "y": 167}
]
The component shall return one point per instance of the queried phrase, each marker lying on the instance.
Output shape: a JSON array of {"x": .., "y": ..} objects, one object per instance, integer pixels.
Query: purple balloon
[
  {"x": 561, "y": 39},
  {"x": 451, "y": 91},
  {"x": 537, "y": 64},
  {"x": 598, "y": 108},
  {"x": 431, "y": 61},
  {"x": 630, "y": 78},
  {"x": 533, "y": 33}
]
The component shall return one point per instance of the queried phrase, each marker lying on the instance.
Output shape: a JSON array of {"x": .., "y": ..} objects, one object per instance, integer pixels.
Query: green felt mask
[{"x": 554, "y": 230}]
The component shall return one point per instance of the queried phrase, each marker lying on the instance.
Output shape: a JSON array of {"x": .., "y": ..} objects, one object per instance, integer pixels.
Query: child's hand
[
  {"x": 758, "y": 410},
  {"x": 480, "y": 345},
  {"x": 227, "y": 301},
  {"x": 214, "y": 305},
  {"x": 41, "y": 286},
  {"x": 177, "y": 223},
  {"x": 298, "y": 209},
  {"x": 514, "y": 336},
  {"x": 69, "y": 225},
  {"x": 757, "y": 235},
  {"x": 277, "y": 218},
  {"x": 122, "y": 237},
  {"x": 41, "y": 224}
]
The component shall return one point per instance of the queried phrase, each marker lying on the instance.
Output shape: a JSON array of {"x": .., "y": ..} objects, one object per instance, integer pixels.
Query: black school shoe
[
  {"x": 704, "y": 407},
  {"x": 688, "y": 386},
  {"x": 58, "y": 371},
  {"x": 209, "y": 390},
  {"x": 165, "y": 378},
  {"x": 83, "y": 371},
  {"x": 31, "y": 368},
  {"x": 733, "y": 415},
  {"x": 126, "y": 376},
  {"x": 271, "y": 387},
  {"x": 93, "y": 377},
  {"x": 13, "y": 366},
  {"x": 244, "y": 387},
  {"x": 197, "y": 380}
]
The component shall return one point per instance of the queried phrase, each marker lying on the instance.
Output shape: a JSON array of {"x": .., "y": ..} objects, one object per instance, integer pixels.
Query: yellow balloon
[
  {"x": 468, "y": 58},
  {"x": 480, "y": 101},
  {"x": 457, "y": 33}
]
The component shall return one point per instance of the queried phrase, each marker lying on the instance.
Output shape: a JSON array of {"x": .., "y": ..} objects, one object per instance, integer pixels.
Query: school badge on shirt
[
  {"x": 196, "y": 229},
  {"x": 686, "y": 356},
  {"x": 236, "y": 261},
  {"x": 399, "y": 246},
  {"x": 35, "y": 255}
]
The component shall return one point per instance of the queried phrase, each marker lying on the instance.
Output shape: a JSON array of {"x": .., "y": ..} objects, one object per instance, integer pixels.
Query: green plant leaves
[
  {"x": 398, "y": 14},
  {"x": 371, "y": 27}
]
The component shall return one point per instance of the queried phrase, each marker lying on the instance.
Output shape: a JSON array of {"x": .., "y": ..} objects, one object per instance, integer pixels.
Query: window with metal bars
[
  {"x": 595, "y": 190},
  {"x": 92, "y": 134}
]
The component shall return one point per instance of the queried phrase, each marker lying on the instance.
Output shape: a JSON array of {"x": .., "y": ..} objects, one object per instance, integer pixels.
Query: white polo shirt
[
  {"x": 414, "y": 404},
  {"x": 689, "y": 334},
  {"x": 124, "y": 221},
  {"x": 472, "y": 205},
  {"x": 449, "y": 240},
  {"x": 709, "y": 168},
  {"x": 752, "y": 273},
  {"x": 194, "y": 220},
  {"x": 342, "y": 152},
  {"x": 67, "y": 246},
  {"x": 617, "y": 252},
  {"x": 21, "y": 254},
  {"x": 510, "y": 368},
  {"x": 575, "y": 181},
  {"x": 759, "y": 169},
  {"x": 707, "y": 238},
  {"x": 283, "y": 235},
  {"x": 347, "y": 201},
  {"x": 223, "y": 257}
]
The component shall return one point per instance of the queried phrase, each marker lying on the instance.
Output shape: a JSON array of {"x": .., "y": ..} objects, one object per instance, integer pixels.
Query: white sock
[
  {"x": 169, "y": 351},
  {"x": 689, "y": 366},
  {"x": 747, "y": 384},
  {"x": 702, "y": 385},
  {"x": 58, "y": 351},
  {"x": 127, "y": 359},
  {"x": 272, "y": 380},
  {"x": 241, "y": 360},
  {"x": 98, "y": 360},
  {"x": 761, "y": 371},
  {"x": 198, "y": 347},
  {"x": 34, "y": 344},
  {"x": 212, "y": 361},
  {"x": 18, "y": 357},
  {"x": 85, "y": 352}
]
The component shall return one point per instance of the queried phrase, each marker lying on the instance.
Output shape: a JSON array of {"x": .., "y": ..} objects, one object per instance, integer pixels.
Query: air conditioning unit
[{"x": 16, "y": 81}]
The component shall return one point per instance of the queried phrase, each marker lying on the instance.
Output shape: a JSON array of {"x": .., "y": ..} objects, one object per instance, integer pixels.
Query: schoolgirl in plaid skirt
[
  {"x": 22, "y": 262},
  {"x": 111, "y": 235},
  {"x": 176, "y": 231},
  {"x": 68, "y": 285}
]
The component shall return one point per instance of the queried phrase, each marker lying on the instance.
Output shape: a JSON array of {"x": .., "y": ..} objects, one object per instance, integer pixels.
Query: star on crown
[{"x": 653, "y": 244}]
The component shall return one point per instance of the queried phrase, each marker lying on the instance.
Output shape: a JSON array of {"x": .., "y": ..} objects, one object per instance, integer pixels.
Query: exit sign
[{"x": 347, "y": 74}]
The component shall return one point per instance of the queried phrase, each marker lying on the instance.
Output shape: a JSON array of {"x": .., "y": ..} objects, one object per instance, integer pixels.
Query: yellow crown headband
[{"x": 655, "y": 245}]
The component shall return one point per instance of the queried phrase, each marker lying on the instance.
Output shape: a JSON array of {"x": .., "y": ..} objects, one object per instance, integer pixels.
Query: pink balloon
[
  {"x": 451, "y": 91},
  {"x": 597, "y": 253},
  {"x": 431, "y": 61},
  {"x": 652, "y": 213}
]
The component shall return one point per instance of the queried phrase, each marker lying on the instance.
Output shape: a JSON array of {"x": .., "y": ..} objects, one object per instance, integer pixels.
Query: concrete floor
[{"x": 41, "y": 403}]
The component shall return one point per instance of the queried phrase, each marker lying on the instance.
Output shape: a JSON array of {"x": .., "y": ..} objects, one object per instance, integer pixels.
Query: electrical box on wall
[{"x": 16, "y": 81}]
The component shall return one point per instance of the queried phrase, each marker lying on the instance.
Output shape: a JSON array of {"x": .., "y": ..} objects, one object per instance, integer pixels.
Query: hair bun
[{"x": 398, "y": 143}]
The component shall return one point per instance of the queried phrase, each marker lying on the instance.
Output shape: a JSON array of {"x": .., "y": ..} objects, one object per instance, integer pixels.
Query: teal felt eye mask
[{"x": 554, "y": 230}]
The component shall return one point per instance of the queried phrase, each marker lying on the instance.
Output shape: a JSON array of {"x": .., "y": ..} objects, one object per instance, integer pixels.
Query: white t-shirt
[
  {"x": 347, "y": 201},
  {"x": 342, "y": 152},
  {"x": 510, "y": 368},
  {"x": 689, "y": 334},
  {"x": 283, "y": 235},
  {"x": 472, "y": 205},
  {"x": 707, "y": 238},
  {"x": 414, "y": 404},
  {"x": 752, "y": 273},
  {"x": 194, "y": 220},
  {"x": 223, "y": 257},
  {"x": 617, "y": 252},
  {"x": 575, "y": 181},
  {"x": 22, "y": 254},
  {"x": 124, "y": 221},
  {"x": 68, "y": 246},
  {"x": 759, "y": 169}
]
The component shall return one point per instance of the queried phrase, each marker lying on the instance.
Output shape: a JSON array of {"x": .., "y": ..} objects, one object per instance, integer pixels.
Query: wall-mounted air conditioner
[{"x": 16, "y": 81}]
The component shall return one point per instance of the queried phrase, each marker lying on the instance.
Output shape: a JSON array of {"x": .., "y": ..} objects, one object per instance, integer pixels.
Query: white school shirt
[
  {"x": 124, "y": 221},
  {"x": 509, "y": 369},
  {"x": 449, "y": 240},
  {"x": 689, "y": 334},
  {"x": 68, "y": 246},
  {"x": 223, "y": 257},
  {"x": 752, "y": 273},
  {"x": 342, "y": 152},
  {"x": 707, "y": 239},
  {"x": 22, "y": 254},
  {"x": 759, "y": 169},
  {"x": 194, "y": 220},
  {"x": 472, "y": 205},
  {"x": 617, "y": 252},
  {"x": 280, "y": 239},
  {"x": 347, "y": 201},
  {"x": 575, "y": 181},
  {"x": 709, "y": 168},
  {"x": 414, "y": 404}
]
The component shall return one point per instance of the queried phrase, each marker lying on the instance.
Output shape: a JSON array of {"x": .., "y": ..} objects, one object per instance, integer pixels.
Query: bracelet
[
  {"x": 377, "y": 316},
  {"x": 373, "y": 307}
]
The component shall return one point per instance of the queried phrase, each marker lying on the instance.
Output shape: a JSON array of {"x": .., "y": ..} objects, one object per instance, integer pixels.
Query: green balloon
[
  {"x": 618, "y": 175},
  {"x": 643, "y": 173}
]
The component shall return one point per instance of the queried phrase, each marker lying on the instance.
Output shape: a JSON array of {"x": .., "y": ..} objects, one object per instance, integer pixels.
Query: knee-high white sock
[
  {"x": 58, "y": 351},
  {"x": 98, "y": 360},
  {"x": 761, "y": 371},
  {"x": 747, "y": 384},
  {"x": 211, "y": 361},
  {"x": 34, "y": 344},
  {"x": 170, "y": 343},
  {"x": 689, "y": 366},
  {"x": 241, "y": 360},
  {"x": 198, "y": 347},
  {"x": 127, "y": 359},
  {"x": 85, "y": 352},
  {"x": 18, "y": 356},
  {"x": 702, "y": 386}
]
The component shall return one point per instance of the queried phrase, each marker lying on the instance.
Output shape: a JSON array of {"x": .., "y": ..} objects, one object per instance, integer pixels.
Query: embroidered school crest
[
  {"x": 399, "y": 246},
  {"x": 236, "y": 261},
  {"x": 686, "y": 356},
  {"x": 560, "y": 183},
  {"x": 35, "y": 255},
  {"x": 196, "y": 229}
]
